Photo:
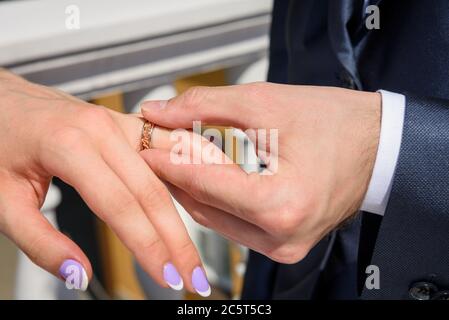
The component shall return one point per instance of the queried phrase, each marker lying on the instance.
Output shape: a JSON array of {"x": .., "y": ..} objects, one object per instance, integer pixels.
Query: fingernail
[
  {"x": 153, "y": 105},
  {"x": 74, "y": 275},
  {"x": 200, "y": 283},
  {"x": 172, "y": 277}
]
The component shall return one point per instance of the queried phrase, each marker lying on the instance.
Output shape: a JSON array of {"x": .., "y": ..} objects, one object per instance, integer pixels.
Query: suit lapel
[
  {"x": 339, "y": 15},
  {"x": 343, "y": 33}
]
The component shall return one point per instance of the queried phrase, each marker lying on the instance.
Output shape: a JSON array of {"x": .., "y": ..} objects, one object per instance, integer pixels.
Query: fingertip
[
  {"x": 200, "y": 282},
  {"x": 187, "y": 261},
  {"x": 150, "y": 106},
  {"x": 69, "y": 250},
  {"x": 75, "y": 274},
  {"x": 172, "y": 277}
]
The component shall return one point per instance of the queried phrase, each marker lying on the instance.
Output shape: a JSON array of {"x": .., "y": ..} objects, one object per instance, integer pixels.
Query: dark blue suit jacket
[{"x": 324, "y": 42}]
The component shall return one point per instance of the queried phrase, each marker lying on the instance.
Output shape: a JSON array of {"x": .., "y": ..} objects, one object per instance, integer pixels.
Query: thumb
[
  {"x": 47, "y": 247},
  {"x": 225, "y": 106}
]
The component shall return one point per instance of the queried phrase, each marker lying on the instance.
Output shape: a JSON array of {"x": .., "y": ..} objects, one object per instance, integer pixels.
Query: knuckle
[
  {"x": 154, "y": 196},
  {"x": 194, "y": 96},
  {"x": 186, "y": 253},
  {"x": 150, "y": 244},
  {"x": 153, "y": 245},
  {"x": 126, "y": 205},
  {"x": 288, "y": 254},
  {"x": 287, "y": 221},
  {"x": 68, "y": 140},
  {"x": 35, "y": 249},
  {"x": 196, "y": 186},
  {"x": 96, "y": 117},
  {"x": 290, "y": 211}
]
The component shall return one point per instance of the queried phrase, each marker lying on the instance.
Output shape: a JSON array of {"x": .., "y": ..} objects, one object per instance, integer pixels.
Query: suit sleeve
[{"x": 413, "y": 239}]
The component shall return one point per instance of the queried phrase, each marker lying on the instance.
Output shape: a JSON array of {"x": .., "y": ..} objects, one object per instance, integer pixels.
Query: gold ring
[{"x": 147, "y": 131}]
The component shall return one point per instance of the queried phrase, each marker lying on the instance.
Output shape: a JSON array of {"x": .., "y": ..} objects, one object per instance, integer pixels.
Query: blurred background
[{"x": 117, "y": 53}]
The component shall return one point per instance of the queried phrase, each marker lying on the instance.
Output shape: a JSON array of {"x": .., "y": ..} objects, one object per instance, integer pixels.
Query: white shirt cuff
[{"x": 392, "y": 122}]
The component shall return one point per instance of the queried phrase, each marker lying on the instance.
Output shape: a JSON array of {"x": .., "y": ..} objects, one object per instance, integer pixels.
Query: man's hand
[
  {"x": 327, "y": 146},
  {"x": 45, "y": 133}
]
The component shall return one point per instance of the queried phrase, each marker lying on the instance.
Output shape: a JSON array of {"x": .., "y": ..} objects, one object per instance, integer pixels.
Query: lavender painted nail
[
  {"x": 74, "y": 275},
  {"x": 200, "y": 282},
  {"x": 172, "y": 277}
]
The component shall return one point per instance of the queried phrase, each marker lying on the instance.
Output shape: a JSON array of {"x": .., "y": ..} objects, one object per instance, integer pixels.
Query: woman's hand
[{"x": 45, "y": 133}]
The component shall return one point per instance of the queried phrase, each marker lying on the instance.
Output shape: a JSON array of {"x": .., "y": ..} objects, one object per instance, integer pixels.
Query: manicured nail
[
  {"x": 74, "y": 275},
  {"x": 172, "y": 277},
  {"x": 153, "y": 105},
  {"x": 200, "y": 283}
]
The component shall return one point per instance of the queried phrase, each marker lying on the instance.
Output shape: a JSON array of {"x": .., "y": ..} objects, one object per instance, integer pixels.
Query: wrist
[{"x": 370, "y": 142}]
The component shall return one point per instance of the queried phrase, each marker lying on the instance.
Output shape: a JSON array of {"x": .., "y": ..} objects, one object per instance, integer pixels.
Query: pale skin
[
  {"x": 328, "y": 139},
  {"x": 46, "y": 133}
]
